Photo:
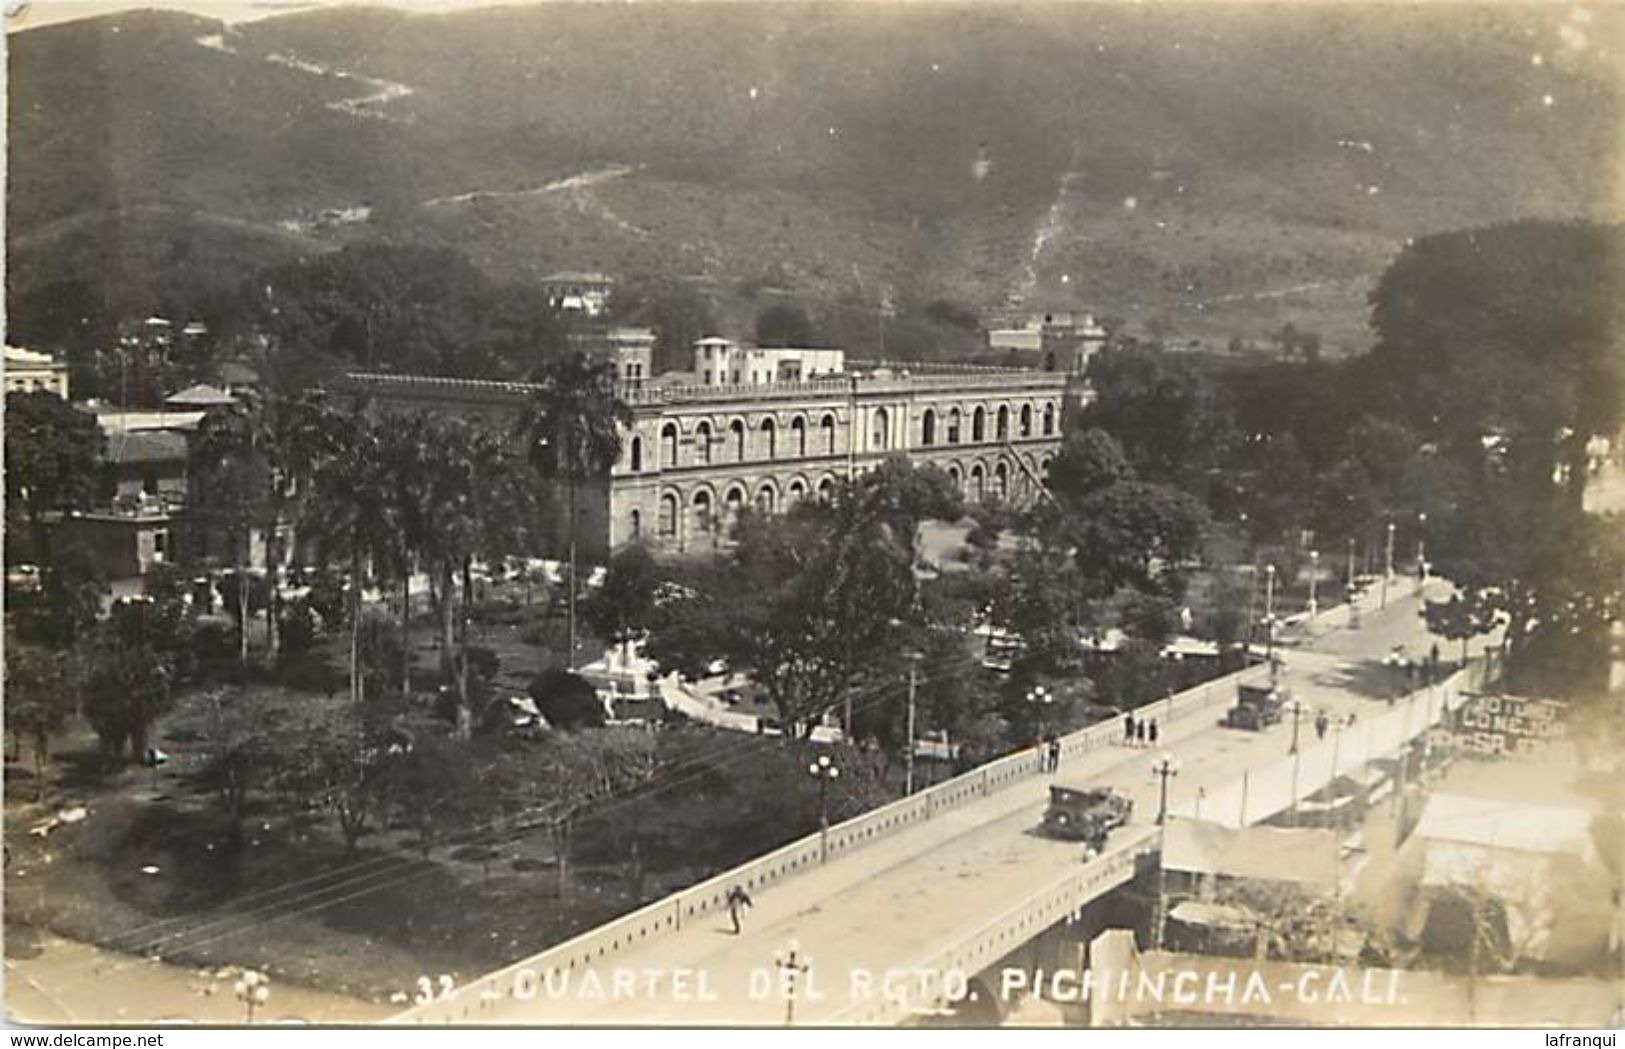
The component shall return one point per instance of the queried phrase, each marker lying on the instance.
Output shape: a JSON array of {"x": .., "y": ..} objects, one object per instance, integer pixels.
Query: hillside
[{"x": 1200, "y": 171}]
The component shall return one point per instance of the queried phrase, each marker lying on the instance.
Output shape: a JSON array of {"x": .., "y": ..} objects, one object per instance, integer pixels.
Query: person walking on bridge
[
  {"x": 1128, "y": 730},
  {"x": 738, "y": 900}
]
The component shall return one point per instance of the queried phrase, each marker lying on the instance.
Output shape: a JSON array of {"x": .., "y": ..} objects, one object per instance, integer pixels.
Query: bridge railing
[
  {"x": 983, "y": 947},
  {"x": 475, "y": 1002},
  {"x": 1271, "y": 788}
]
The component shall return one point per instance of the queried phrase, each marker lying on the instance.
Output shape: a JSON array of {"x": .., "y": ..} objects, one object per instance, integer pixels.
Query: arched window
[
  {"x": 879, "y": 435},
  {"x": 798, "y": 437},
  {"x": 702, "y": 511},
  {"x": 770, "y": 438},
  {"x": 828, "y": 442},
  {"x": 733, "y": 502},
  {"x": 1026, "y": 420},
  {"x": 668, "y": 445},
  {"x": 1049, "y": 419},
  {"x": 826, "y": 488},
  {"x": 953, "y": 472},
  {"x": 702, "y": 443},
  {"x": 1004, "y": 423},
  {"x": 1001, "y": 480},
  {"x": 736, "y": 439},
  {"x": 637, "y": 454},
  {"x": 953, "y": 426},
  {"x": 978, "y": 483},
  {"x": 928, "y": 428},
  {"x": 796, "y": 491},
  {"x": 764, "y": 499},
  {"x": 668, "y": 515},
  {"x": 978, "y": 425},
  {"x": 637, "y": 525}
]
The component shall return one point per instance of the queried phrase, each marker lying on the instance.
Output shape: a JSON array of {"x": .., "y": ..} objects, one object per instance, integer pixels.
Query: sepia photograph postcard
[{"x": 850, "y": 515}]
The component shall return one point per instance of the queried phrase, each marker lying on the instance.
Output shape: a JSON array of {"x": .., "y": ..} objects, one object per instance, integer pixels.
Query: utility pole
[
  {"x": 1388, "y": 564},
  {"x": 1354, "y": 614},
  {"x": 908, "y": 759}
]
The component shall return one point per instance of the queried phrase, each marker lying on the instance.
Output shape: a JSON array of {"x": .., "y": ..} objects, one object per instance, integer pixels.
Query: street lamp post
[
  {"x": 908, "y": 760},
  {"x": 1296, "y": 709},
  {"x": 253, "y": 990},
  {"x": 1421, "y": 543},
  {"x": 1178, "y": 659},
  {"x": 1164, "y": 769},
  {"x": 791, "y": 964},
  {"x": 825, "y": 772},
  {"x": 1269, "y": 611},
  {"x": 1314, "y": 576},
  {"x": 1041, "y": 700}
]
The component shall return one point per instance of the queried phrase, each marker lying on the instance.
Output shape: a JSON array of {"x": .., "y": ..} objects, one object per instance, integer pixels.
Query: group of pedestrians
[{"x": 1139, "y": 733}]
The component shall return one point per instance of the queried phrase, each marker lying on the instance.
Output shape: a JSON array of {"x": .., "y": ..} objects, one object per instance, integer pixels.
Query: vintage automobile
[
  {"x": 1085, "y": 813},
  {"x": 1258, "y": 706}
]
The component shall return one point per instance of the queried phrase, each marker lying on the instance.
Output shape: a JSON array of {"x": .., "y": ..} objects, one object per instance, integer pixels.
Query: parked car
[{"x": 1085, "y": 813}]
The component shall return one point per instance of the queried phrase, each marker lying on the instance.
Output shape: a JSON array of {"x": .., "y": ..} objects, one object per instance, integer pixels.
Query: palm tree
[
  {"x": 252, "y": 461},
  {"x": 354, "y": 512},
  {"x": 571, "y": 431}
]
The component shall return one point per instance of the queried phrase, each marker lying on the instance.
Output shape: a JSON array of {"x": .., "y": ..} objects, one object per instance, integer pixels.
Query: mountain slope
[{"x": 1207, "y": 171}]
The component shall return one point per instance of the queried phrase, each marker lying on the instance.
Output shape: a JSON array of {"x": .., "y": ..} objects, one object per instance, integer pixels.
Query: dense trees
[
  {"x": 1501, "y": 347},
  {"x": 53, "y": 463},
  {"x": 809, "y": 602},
  {"x": 396, "y": 308},
  {"x": 1163, "y": 410}
]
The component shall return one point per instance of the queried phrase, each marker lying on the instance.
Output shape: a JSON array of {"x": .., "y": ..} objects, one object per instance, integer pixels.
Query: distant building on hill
[
  {"x": 586, "y": 294},
  {"x": 1056, "y": 341},
  {"x": 29, "y": 370}
]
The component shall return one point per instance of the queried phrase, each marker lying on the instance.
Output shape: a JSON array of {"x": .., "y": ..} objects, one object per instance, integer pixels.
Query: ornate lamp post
[
  {"x": 1296, "y": 708},
  {"x": 825, "y": 772},
  {"x": 1314, "y": 577},
  {"x": 1164, "y": 768},
  {"x": 253, "y": 990},
  {"x": 792, "y": 964},
  {"x": 1041, "y": 700}
]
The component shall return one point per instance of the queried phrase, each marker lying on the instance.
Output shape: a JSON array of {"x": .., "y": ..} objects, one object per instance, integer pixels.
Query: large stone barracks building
[{"x": 765, "y": 428}]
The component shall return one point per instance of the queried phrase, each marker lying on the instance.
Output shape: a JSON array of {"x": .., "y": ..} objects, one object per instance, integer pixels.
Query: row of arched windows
[
  {"x": 978, "y": 424},
  {"x": 732, "y": 445},
  {"x": 685, "y": 516}
]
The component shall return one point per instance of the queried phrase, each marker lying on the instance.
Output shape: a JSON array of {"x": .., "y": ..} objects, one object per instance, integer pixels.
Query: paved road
[{"x": 901, "y": 900}]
